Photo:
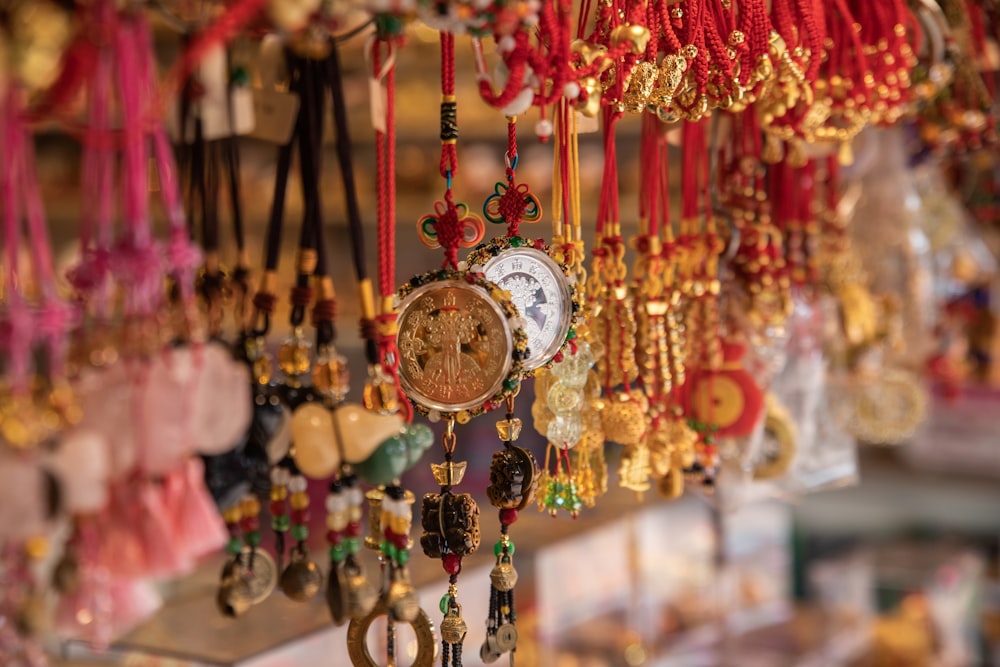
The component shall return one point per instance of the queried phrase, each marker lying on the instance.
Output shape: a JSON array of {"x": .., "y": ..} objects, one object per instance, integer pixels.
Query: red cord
[{"x": 385, "y": 168}]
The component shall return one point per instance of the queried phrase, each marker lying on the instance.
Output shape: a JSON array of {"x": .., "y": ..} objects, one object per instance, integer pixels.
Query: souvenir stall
[{"x": 538, "y": 332}]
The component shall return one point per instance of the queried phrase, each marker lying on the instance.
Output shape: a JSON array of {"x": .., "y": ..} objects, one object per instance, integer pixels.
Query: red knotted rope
[{"x": 385, "y": 170}]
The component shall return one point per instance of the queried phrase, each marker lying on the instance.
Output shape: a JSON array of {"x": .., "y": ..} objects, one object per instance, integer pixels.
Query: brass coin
[
  {"x": 487, "y": 652},
  {"x": 258, "y": 574},
  {"x": 506, "y": 637},
  {"x": 455, "y": 346},
  {"x": 357, "y": 638},
  {"x": 721, "y": 397}
]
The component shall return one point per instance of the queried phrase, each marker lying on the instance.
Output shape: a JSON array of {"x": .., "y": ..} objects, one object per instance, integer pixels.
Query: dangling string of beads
[
  {"x": 513, "y": 477},
  {"x": 281, "y": 523},
  {"x": 450, "y": 525}
]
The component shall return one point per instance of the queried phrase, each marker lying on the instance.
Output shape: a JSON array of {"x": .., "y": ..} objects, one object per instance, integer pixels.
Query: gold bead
[
  {"x": 299, "y": 501},
  {"x": 262, "y": 369},
  {"x": 250, "y": 506},
  {"x": 279, "y": 493},
  {"x": 293, "y": 357}
]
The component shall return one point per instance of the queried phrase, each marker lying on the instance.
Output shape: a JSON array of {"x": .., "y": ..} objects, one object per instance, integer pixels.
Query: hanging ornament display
[{"x": 735, "y": 328}]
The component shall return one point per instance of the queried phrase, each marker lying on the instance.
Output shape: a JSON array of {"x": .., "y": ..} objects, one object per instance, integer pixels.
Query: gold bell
[
  {"x": 503, "y": 576},
  {"x": 636, "y": 36},
  {"x": 453, "y": 626}
]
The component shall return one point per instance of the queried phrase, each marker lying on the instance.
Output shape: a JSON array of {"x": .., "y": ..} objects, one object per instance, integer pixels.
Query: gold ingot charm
[
  {"x": 450, "y": 473},
  {"x": 509, "y": 430}
]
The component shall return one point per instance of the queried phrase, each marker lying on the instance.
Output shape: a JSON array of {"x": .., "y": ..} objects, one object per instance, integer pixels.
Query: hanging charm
[
  {"x": 250, "y": 575},
  {"x": 349, "y": 593},
  {"x": 513, "y": 479},
  {"x": 301, "y": 578},
  {"x": 450, "y": 524}
]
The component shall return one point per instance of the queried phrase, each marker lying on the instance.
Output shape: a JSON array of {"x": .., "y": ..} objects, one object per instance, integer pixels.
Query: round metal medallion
[
  {"x": 455, "y": 345},
  {"x": 539, "y": 289}
]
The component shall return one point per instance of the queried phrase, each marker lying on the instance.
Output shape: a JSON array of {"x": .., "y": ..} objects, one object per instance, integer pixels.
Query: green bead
[
  {"x": 300, "y": 533},
  {"x": 391, "y": 552},
  {"x": 444, "y": 604},
  {"x": 403, "y": 557},
  {"x": 511, "y": 384},
  {"x": 234, "y": 546},
  {"x": 384, "y": 547},
  {"x": 253, "y": 538},
  {"x": 498, "y": 548},
  {"x": 388, "y": 25},
  {"x": 337, "y": 554},
  {"x": 239, "y": 76},
  {"x": 571, "y": 334},
  {"x": 281, "y": 523},
  {"x": 515, "y": 241},
  {"x": 352, "y": 545}
]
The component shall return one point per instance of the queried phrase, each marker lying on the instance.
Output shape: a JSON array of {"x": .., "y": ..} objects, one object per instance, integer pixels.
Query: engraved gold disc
[{"x": 455, "y": 345}]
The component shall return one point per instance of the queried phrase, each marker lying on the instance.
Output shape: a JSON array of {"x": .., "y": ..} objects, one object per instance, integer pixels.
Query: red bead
[
  {"x": 400, "y": 540},
  {"x": 354, "y": 529},
  {"x": 249, "y": 523},
  {"x": 334, "y": 536},
  {"x": 508, "y": 516},
  {"x": 300, "y": 517},
  {"x": 540, "y": 243},
  {"x": 558, "y": 357},
  {"x": 387, "y": 533},
  {"x": 278, "y": 508},
  {"x": 452, "y": 563}
]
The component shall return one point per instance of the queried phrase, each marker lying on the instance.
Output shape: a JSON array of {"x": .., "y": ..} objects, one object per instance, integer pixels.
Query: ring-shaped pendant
[{"x": 357, "y": 638}]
